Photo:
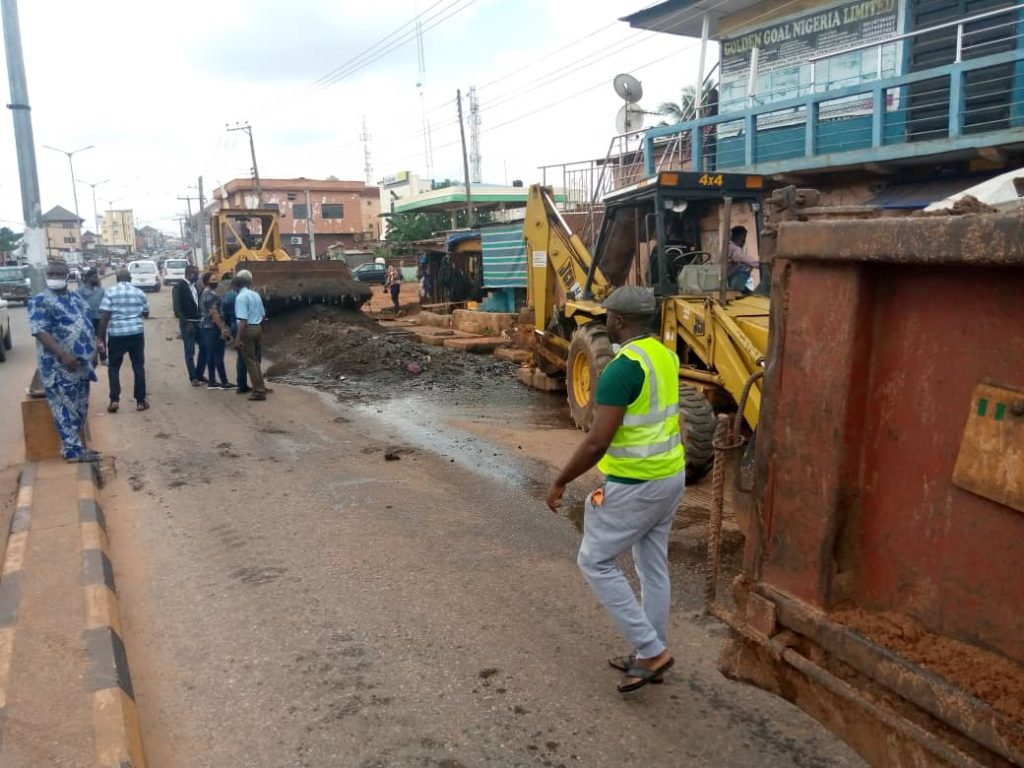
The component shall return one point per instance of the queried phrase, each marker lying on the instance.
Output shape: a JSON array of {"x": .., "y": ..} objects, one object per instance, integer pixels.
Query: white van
[
  {"x": 174, "y": 270},
  {"x": 144, "y": 275}
]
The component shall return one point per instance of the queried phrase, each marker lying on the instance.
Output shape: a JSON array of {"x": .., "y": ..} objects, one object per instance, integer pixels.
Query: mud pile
[{"x": 325, "y": 345}]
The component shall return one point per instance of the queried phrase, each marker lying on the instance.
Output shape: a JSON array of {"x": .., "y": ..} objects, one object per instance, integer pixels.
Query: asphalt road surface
[{"x": 291, "y": 598}]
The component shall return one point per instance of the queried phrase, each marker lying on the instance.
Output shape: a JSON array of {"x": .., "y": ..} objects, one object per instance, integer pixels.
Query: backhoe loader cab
[{"x": 654, "y": 229}]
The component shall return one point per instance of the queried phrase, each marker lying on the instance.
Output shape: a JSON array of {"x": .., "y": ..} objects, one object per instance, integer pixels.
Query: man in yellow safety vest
[{"x": 635, "y": 442}]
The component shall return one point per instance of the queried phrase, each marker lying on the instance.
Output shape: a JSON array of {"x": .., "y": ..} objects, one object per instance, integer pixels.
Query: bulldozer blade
[{"x": 286, "y": 285}]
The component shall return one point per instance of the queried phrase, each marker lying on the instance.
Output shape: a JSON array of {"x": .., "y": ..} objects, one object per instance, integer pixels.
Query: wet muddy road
[{"x": 292, "y": 598}]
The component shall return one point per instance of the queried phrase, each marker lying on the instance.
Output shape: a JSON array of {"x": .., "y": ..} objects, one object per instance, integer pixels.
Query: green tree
[
  {"x": 409, "y": 227},
  {"x": 9, "y": 240}
]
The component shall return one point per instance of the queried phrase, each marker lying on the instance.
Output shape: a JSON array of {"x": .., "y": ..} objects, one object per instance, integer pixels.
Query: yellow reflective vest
[{"x": 648, "y": 445}]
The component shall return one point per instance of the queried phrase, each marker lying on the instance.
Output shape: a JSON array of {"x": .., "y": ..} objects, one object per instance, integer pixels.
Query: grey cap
[{"x": 631, "y": 300}]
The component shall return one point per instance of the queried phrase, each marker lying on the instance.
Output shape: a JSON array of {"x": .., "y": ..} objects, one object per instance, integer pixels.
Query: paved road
[{"x": 292, "y": 599}]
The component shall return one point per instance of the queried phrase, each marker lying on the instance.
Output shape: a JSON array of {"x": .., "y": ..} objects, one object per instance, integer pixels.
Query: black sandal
[
  {"x": 644, "y": 676},
  {"x": 625, "y": 663}
]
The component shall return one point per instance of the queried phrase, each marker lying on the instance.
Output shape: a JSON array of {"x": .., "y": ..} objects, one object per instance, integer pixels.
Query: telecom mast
[
  {"x": 474, "y": 137},
  {"x": 365, "y": 137},
  {"x": 428, "y": 150}
]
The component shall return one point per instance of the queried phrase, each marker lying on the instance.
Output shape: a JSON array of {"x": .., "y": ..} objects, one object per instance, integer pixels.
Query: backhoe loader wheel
[
  {"x": 697, "y": 423},
  {"x": 589, "y": 352}
]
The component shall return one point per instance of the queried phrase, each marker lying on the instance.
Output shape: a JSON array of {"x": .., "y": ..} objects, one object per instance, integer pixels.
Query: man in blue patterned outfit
[{"x": 66, "y": 345}]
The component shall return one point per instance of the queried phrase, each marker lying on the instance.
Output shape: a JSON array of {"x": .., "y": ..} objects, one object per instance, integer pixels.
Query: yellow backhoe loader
[
  {"x": 652, "y": 235},
  {"x": 251, "y": 239}
]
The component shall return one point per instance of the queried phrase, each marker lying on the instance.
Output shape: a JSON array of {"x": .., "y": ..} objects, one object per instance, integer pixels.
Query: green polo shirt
[{"x": 620, "y": 384}]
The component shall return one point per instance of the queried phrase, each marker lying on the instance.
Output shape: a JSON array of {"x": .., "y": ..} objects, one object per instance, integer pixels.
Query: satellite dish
[
  {"x": 628, "y": 88},
  {"x": 629, "y": 118}
]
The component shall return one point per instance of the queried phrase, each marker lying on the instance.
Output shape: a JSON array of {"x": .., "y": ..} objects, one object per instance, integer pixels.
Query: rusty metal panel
[{"x": 991, "y": 459}]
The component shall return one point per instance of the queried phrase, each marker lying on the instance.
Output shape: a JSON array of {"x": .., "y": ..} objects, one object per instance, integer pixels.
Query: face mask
[{"x": 56, "y": 283}]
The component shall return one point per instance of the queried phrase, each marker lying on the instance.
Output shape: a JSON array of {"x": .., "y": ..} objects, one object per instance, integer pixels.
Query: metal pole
[
  {"x": 34, "y": 237},
  {"x": 698, "y": 96},
  {"x": 255, "y": 169},
  {"x": 724, "y": 225},
  {"x": 465, "y": 161},
  {"x": 309, "y": 226},
  {"x": 202, "y": 224},
  {"x": 252, "y": 151},
  {"x": 752, "y": 80}
]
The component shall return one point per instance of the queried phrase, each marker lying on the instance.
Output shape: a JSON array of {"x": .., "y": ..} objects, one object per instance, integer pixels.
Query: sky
[{"x": 152, "y": 86}]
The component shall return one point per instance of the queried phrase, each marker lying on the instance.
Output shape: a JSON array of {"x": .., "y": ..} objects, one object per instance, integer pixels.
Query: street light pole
[
  {"x": 252, "y": 150},
  {"x": 34, "y": 239},
  {"x": 71, "y": 165},
  {"x": 95, "y": 212}
]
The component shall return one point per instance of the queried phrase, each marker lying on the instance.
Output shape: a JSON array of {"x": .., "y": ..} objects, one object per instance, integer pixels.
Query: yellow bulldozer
[
  {"x": 652, "y": 234},
  {"x": 251, "y": 239}
]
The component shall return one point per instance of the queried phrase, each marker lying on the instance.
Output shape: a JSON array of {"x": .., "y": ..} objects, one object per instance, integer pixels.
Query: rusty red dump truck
[{"x": 882, "y": 586}]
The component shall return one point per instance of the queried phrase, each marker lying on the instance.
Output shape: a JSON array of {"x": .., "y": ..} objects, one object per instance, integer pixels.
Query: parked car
[
  {"x": 144, "y": 275},
  {"x": 5, "y": 331},
  {"x": 15, "y": 284},
  {"x": 370, "y": 273},
  {"x": 174, "y": 270}
]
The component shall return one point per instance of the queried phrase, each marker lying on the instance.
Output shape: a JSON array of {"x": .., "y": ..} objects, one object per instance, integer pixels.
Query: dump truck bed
[{"x": 881, "y": 589}]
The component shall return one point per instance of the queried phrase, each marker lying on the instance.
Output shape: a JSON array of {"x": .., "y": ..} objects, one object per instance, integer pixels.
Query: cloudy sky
[{"x": 152, "y": 85}]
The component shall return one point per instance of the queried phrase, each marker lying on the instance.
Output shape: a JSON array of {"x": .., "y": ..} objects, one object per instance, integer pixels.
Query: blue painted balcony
[{"x": 972, "y": 103}]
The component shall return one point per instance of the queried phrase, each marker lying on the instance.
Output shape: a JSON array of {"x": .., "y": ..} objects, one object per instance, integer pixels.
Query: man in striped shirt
[{"x": 121, "y": 313}]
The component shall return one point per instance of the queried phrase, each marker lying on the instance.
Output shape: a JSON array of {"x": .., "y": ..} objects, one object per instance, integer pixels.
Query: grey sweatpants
[{"x": 638, "y": 516}]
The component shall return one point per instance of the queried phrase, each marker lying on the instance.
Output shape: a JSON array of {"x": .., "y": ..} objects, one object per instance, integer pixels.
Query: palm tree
[{"x": 686, "y": 110}]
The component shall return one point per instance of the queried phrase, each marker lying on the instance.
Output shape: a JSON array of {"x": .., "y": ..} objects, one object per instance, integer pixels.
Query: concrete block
[
  {"x": 483, "y": 323},
  {"x": 476, "y": 343},
  {"x": 540, "y": 380},
  {"x": 435, "y": 337},
  {"x": 41, "y": 441},
  {"x": 511, "y": 354},
  {"x": 435, "y": 320}
]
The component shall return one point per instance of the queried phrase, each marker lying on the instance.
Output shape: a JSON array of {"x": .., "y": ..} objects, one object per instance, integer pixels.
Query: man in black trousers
[{"x": 185, "y": 298}]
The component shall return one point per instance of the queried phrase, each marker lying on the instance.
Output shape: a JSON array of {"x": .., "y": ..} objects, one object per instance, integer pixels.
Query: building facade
[
  {"x": 889, "y": 102},
  {"x": 343, "y": 213},
  {"x": 118, "y": 230},
  {"x": 63, "y": 233}
]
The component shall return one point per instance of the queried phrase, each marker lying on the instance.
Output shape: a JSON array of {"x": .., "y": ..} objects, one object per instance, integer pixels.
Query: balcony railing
[{"x": 976, "y": 99}]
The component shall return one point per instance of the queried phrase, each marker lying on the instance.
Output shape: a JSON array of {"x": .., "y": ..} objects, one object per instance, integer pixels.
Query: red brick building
[{"x": 343, "y": 212}]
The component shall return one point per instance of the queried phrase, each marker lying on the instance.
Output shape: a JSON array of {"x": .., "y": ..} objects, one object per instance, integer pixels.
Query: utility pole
[
  {"x": 252, "y": 150},
  {"x": 95, "y": 212},
  {"x": 202, "y": 223},
  {"x": 34, "y": 237},
  {"x": 191, "y": 222},
  {"x": 309, "y": 226},
  {"x": 465, "y": 162},
  {"x": 71, "y": 165}
]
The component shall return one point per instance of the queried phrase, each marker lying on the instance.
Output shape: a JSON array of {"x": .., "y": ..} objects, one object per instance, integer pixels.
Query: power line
[
  {"x": 433, "y": 21},
  {"x": 384, "y": 39}
]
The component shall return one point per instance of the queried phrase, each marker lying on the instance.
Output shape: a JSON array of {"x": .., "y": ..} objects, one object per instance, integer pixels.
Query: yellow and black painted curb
[
  {"x": 118, "y": 738},
  {"x": 11, "y": 576}
]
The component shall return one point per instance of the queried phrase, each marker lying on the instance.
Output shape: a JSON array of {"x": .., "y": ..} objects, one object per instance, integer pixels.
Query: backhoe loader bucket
[{"x": 286, "y": 285}]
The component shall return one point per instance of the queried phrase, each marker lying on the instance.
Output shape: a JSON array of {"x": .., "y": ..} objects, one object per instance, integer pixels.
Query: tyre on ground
[
  {"x": 589, "y": 352},
  {"x": 697, "y": 424}
]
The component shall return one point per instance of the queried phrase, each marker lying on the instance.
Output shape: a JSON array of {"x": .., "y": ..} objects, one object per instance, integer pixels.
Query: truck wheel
[
  {"x": 7, "y": 338},
  {"x": 589, "y": 352},
  {"x": 697, "y": 423}
]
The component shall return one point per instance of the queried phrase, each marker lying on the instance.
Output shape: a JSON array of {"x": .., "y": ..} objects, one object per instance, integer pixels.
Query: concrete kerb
[
  {"x": 118, "y": 738},
  {"x": 11, "y": 577}
]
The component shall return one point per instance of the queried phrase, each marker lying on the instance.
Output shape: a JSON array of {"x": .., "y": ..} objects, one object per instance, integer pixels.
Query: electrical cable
[{"x": 401, "y": 42}]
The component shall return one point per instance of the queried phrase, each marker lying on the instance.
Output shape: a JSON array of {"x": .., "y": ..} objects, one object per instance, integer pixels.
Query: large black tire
[
  {"x": 697, "y": 423},
  {"x": 589, "y": 352},
  {"x": 8, "y": 343}
]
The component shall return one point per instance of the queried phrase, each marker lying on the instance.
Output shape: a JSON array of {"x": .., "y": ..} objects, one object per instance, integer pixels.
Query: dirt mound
[
  {"x": 987, "y": 675},
  {"x": 968, "y": 204},
  {"x": 324, "y": 345}
]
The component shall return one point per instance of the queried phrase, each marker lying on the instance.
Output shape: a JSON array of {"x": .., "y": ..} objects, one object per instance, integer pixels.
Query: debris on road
[{"x": 324, "y": 345}]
